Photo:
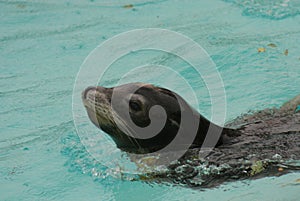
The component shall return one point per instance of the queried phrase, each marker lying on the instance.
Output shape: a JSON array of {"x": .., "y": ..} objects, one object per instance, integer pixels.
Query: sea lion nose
[
  {"x": 92, "y": 88},
  {"x": 85, "y": 92}
]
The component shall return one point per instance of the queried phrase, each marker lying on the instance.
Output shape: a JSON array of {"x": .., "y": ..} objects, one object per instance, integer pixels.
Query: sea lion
[{"x": 248, "y": 146}]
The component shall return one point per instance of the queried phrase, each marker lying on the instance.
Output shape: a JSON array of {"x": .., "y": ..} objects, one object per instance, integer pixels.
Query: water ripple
[{"x": 270, "y": 9}]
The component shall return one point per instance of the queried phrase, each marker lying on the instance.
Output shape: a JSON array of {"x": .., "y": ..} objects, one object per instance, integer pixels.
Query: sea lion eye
[{"x": 135, "y": 106}]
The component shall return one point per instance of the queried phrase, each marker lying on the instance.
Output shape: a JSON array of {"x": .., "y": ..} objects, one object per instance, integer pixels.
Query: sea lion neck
[{"x": 208, "y": 132}]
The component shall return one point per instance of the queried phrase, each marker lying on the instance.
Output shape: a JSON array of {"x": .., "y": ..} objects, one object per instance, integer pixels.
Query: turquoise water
[{"x": 43, "y": 45}]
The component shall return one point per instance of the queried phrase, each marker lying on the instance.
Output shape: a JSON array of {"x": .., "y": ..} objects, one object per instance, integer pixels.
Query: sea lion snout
[
  {"x": 92, "y": 90},
  {"x": 96, "y": 94},
  {"x": 96, "y": 100},
  {"x": 85, "y": 92}
]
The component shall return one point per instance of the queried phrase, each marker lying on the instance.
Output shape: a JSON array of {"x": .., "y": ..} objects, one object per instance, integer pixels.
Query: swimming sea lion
[
  {"x": 257, "y": 138},
  {"x": 97, "y": 101}
]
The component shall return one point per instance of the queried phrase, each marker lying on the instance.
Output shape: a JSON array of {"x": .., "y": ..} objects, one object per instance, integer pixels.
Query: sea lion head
[{"x": 109, "y": 109}]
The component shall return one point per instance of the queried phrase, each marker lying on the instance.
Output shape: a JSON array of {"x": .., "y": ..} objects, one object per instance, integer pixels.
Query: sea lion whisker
[{"x": 125, "y": 126}]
